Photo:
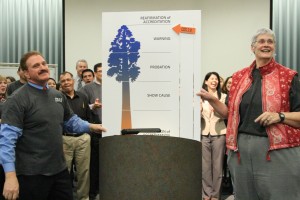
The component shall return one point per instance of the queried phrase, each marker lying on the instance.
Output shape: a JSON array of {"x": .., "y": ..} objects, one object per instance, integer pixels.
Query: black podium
[{"x": 140, "y": 167}]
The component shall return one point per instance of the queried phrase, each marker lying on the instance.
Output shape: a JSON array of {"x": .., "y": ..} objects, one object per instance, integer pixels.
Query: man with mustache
[{"x": 33, "y": 121}]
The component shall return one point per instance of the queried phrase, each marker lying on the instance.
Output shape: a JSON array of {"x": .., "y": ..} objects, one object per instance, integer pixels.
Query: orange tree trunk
[{"x": 126, "y": 112}]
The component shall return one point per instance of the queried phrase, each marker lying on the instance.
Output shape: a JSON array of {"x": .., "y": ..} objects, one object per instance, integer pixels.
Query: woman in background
[
  {"x": 10, "y": 79},
  {"x": 3, "y": 88},
  {"x": 227, "y": 186},
  {"x": 213, "y": 140},
  {"x": 227, "y": 85},
  {"x": 52, "y": 83},
  {"x": 221, "y": 82}
]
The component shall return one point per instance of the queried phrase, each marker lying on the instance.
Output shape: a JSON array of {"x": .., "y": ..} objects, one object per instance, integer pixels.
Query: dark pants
[
  {"x": 94, "y": 166},
  {"x": 2, "y": 179},
  {"x": 41, "y": 187}
]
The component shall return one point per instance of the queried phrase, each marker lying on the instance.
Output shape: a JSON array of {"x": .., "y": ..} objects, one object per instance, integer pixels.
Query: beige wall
[{"x": 227, "y": 27}]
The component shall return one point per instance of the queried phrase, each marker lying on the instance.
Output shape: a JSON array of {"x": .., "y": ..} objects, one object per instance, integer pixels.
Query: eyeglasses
[{"x": 263, "y": 41}]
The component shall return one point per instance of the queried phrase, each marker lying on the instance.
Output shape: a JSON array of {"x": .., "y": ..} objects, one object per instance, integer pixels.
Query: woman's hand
[
  {"x": 216, "y": 104},
  {"x": 268, "y": 118}
]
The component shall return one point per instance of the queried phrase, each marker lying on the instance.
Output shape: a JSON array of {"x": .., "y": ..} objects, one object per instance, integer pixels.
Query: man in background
[
  {"x": 80, "y": 66},
  {"x": 87, "y": 76},
  {"x": 17, "y": 84},
  {"x": 93, "y": 91},
  {"x": 77, "y": 146}
]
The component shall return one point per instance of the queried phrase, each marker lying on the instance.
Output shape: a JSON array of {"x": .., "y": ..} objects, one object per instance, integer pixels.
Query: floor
[
  {"x": 75, "y": 195},
  {"x": 227, "y": 197},
  {"x": 224, "y": 197}
]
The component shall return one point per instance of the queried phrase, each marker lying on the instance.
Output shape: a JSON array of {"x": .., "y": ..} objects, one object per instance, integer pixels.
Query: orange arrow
[{"x": 181, "y": 29}]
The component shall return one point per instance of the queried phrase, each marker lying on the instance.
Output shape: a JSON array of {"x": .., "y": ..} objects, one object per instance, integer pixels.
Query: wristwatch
[{"x": 281, "y": 116}]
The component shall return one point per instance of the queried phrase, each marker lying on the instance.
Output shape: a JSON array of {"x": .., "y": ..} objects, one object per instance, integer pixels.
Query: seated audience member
[
  {"x": 52, "y": 83},
  {"x": 17, "y": 84},
  {"x": 10, "y": 79}
]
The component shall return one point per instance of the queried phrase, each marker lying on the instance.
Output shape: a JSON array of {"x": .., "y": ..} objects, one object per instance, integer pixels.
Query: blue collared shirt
[{"x": 38, "y": 86}]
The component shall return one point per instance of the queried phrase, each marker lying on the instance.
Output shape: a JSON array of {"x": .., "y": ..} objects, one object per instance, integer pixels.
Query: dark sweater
[
  {"x": 41, "y": 115},
  {"x": 13, "y": 87}
]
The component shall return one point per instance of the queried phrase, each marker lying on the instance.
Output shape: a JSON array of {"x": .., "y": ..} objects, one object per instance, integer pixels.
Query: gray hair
[
  {"x": 261, "y": 32},
  {"x": 81, "y": 60}
]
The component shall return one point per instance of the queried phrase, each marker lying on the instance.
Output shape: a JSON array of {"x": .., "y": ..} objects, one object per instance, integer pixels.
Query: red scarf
[{"x": 276, "y": 84}]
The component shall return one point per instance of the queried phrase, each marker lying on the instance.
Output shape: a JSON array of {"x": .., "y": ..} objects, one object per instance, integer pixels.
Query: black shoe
[{"x": 93, "y": 197}]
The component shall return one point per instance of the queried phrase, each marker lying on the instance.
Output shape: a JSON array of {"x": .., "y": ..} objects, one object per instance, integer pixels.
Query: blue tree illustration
[{"x": 122, "y": 63}]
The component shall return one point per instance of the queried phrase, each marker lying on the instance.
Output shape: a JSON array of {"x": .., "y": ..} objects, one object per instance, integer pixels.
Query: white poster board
[{"x": 151, "y": 72}]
